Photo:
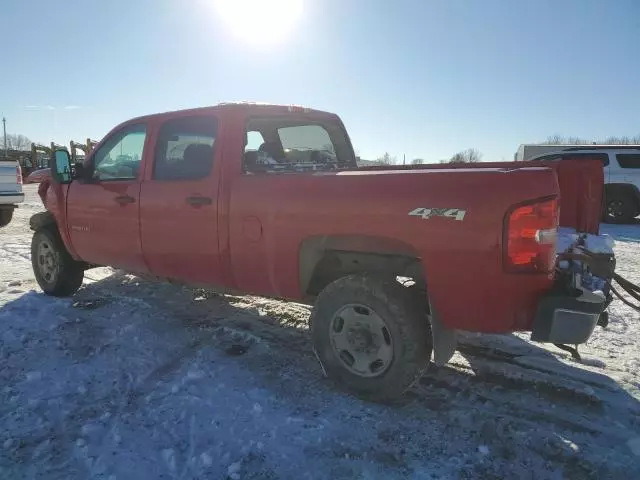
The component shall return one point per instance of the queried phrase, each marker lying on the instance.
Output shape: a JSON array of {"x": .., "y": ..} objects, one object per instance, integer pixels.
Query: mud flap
[{"x": 445, "y": 339}]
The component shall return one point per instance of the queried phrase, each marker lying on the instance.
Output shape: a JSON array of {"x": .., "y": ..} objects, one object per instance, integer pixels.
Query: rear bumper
[
  {"x": 11, "y": 198},
  {"x": 567, "y": 319}
]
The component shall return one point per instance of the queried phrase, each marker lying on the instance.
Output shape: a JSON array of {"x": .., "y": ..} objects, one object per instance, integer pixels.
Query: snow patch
[
  {"x": 483, "y": 450},
  {"x": 634, "y": 446}
]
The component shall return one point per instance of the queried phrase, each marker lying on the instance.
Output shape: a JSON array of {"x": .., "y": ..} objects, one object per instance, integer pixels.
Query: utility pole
[{"x": 4, "y": 128}]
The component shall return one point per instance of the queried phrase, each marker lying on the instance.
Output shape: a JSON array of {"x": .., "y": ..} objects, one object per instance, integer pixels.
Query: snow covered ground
[{"x": 138, "y": 380}]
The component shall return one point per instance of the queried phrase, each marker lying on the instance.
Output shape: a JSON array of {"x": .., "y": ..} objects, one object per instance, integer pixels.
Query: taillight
[
  {"x": 19, "y": 175},
  {"x": 530, "y": 237}
]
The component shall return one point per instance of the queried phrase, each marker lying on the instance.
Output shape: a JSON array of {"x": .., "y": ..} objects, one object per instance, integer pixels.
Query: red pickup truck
[{"x": 269, "y": 200}]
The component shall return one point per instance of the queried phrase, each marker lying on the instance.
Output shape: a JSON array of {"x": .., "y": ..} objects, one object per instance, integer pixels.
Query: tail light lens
[
  {"x": 19, "y": 175},
  {"x": 530, "y": 237}
]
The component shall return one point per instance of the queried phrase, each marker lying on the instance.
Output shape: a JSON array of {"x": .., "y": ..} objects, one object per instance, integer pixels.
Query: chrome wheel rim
[
  {"x": 48, "y": 261},
  {"x": 362, "y": 341}
]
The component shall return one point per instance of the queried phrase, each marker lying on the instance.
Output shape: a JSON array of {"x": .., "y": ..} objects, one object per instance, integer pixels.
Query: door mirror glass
[{"x": 61, "y": 168}]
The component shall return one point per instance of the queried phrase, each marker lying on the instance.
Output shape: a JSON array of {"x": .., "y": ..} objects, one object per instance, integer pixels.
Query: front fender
[{"x": 54, "y": 197}]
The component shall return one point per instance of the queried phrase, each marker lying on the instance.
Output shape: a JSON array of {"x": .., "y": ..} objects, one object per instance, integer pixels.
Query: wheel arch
[
  {"x": 47, "y": 219},
  {"x": 327, "y": 258},
  {"x": 42, "y": 220},
  {"x": 323, "y": 259}
]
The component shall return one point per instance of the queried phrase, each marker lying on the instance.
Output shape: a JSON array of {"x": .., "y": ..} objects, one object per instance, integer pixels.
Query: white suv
[
  {"x": 10, "y": 189},
  {"x": 621, "y": 177}
]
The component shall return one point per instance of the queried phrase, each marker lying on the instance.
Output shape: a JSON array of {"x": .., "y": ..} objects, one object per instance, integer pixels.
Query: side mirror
[{"x": 61, "y": 167}]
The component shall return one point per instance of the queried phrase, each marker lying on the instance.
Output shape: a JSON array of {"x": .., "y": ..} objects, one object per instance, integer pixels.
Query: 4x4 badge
[{"x": 427, "y": 213}]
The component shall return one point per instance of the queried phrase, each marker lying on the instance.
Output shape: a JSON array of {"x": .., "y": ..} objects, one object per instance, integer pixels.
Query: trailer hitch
[{"x": 602, "y": 266}]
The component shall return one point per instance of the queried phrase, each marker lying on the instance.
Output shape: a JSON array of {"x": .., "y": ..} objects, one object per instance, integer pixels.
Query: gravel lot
[{"x": 140, "y": 380}]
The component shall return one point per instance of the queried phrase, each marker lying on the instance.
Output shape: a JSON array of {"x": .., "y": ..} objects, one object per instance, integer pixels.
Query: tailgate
[
  {"x": 8, "y": 180},
  {"x": 581, "y": 184}
]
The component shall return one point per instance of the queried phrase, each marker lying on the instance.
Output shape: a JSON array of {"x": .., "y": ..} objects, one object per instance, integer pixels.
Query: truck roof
[{"x": 240, "y": 106}]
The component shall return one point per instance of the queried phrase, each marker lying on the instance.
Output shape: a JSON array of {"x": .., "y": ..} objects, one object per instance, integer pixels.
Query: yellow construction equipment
[{"x": 85, "y": 147}]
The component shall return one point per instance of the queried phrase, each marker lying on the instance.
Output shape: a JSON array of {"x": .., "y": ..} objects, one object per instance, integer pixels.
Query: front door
[
  {"x": 103, "y": 209},
  {"x": 179, "y": 202}
]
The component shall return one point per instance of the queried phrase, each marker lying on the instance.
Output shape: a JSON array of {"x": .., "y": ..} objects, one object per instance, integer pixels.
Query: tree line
[
  {"x": 470, "y": 155},
  {"x": 557, "y": 139},
  {"x": 15, "y": 142}
]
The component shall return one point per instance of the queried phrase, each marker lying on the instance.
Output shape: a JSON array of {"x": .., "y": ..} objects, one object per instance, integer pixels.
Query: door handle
[
  {"x": 124, "y": 199},
  {"x": 197, "y": 201}
]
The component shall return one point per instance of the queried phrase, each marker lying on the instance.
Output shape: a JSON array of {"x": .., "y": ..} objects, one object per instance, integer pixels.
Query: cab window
[
  {"x": 120, "y": 156},
  {"x": 185, "y": 149}
]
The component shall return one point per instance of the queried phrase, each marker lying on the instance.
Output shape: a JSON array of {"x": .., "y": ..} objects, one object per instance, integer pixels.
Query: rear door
[
  {"x": 179, "y": 201},
  {"x": 102, "y": 212}
]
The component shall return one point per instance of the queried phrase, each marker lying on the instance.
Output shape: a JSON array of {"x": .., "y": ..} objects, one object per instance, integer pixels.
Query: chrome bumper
[{"x": 11, "y": 198}]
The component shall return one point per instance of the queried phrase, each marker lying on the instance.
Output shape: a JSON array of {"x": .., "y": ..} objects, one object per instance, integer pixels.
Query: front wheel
[
  {"x": 56, "y": 272},
  {"x": 372, "y": 335}
]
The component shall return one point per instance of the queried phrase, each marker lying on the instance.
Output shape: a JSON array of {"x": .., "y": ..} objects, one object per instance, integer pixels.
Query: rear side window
[
  {"x": 547, "y": 158},
  {"x": 185, "y": 149},
  {"x": 628, "y": 160},
  {"x": 603, "y": 157},
  {"x": 282, "y": 144}
]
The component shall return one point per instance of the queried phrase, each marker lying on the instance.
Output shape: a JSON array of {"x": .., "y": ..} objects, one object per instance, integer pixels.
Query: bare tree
[
  {"x": 16, "y": 142},
  {"x": 386, "y": 159},
  {"x": 470, "y": 155},
  {"x": 555, "y": 140},
  {"x": 613, "y": 140},
  {"x": 417, "y": 161}
]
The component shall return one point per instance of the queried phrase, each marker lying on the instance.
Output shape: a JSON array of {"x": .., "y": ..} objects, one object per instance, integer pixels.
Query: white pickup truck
[{"x": 10, "y": 189}]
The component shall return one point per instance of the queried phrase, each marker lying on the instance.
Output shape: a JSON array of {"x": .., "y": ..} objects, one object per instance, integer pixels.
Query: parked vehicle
[
  {"x": 10, "y": 190},
  {"x": 621, "y": 175},
  {"x": 268, "y": 200}
]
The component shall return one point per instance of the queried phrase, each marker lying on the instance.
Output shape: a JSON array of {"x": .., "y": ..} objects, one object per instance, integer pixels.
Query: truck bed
[{"x": 581, "y": 185}]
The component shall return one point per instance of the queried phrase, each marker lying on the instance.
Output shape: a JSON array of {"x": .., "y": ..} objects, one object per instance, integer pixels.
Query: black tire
[
  {"x": 6, "y": 214},
  {"x": 68, "y": 275},
  {"x": 408, "y": 326},
  {"x": 620, "y": 207}
]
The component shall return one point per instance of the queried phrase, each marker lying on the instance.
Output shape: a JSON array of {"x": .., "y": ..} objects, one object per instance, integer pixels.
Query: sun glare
[{"x": 261, "y": 23}]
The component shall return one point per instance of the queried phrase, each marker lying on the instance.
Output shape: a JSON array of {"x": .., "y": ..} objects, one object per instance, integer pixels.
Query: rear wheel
[
  {"x": 6, "y": 214},
  {"x": 371, "y": 335},
  {"x": 56, "y": 272},
  {"x": 620, "y": 208}
]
